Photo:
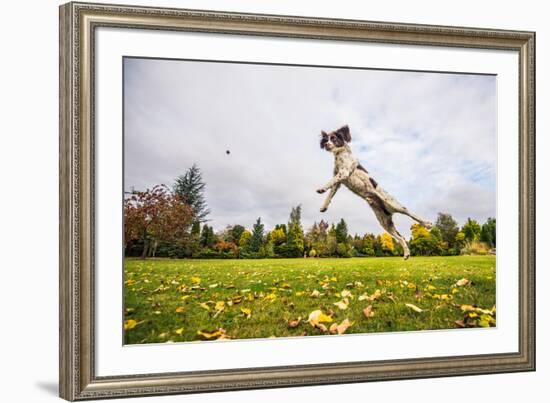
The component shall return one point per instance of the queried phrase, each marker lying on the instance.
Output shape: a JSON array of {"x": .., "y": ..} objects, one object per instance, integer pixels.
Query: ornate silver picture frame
[{"x": 78, "y": 159}]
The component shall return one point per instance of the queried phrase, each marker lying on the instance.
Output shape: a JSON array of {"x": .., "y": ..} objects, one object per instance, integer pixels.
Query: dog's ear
[
  {"x": 324, "y": 139},
  {"x": 344, "y": 131}
]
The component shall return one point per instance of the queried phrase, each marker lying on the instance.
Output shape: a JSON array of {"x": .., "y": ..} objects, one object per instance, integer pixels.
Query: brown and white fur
[{"x": 349, "y": 172}]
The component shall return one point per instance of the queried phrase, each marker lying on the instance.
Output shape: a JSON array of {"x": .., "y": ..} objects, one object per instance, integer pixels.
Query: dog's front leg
[
  {"x": 330, "y": 195},
  {"x": 337, "y": 179}
]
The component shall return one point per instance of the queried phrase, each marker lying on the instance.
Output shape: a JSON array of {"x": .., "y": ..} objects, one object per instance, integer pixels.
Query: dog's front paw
[
  {"x": 323, "y": 209},
  {"x": 321, "y": 190}
]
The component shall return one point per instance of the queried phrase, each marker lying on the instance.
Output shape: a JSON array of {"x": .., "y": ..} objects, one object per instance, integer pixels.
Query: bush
[
  {"x": 476, "y": 248},
  {"x": 343, "y": 250},
  {"x": 213, "y": 254}
]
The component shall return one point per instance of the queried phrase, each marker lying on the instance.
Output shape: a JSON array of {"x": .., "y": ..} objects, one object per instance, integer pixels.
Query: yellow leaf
[
  {"x": 472, "y": 308},
  {"x": 368, "y": 312},
  {"x": 363, "y": 297},
  {"x": 341, "y": 328},
  {"x": 414, "y": 308},
  {"x": 196, "y": 280},
  {"x": 180, "y": 309},
  {"x": 270, "y": 297},
  {"x": 213, "y": 285},
  {"x": 333, "y": 278},
  {"x": 299, "y": 293},
  {"x": 157, "y": 312},
  {"x": 130, "y": 324},
  {"x": 315, "y": 294},
  {"x": 377, "y": 294},
  {"x": 317, "y": 317},
  {"x": 220, "y": 306},
  {"x": 184, "y": 297},
  {"x": 204, "y": 306},
  {"x": 487, "y": 321},
  {"x": 209, "y": 335},
  {"x": 179, "y": 331},
  {"x": 411, "y": 285},
  {"x": 247, "y": 312},
  {"x": 430, "y": 287}
]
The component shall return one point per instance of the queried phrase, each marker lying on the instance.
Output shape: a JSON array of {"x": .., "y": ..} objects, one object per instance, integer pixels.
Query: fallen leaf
[
  {"x": 368, "y": 312},
  {"x": 342, "y": 304},
  {"x": 377, "y": 294},
  {"x": 462, "y": 282},
  {"x": 247, "y": 312},
  {"x": 130, "y": 324},
  {"x": 204, "y": 305},
  {"x": 346, "y": 294},
  {"x": 179, "y": 331},
  {"x": 317, "y": 317},
  {"x": 414, "y": 308},
  {"x": 180, "y": 309},
  {"x": 215, "y": 334},
  {"x": 270, "y": 297},
  {"x": 341, "y": 328},
  {"x": 196, "y": 280},
  {"x": 294, "y": 322},
  {"x": 315, "y": 294},
  {"x": 473, "y": 308}
]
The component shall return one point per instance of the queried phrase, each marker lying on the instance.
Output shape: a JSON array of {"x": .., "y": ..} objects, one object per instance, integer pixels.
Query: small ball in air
[{"x": 227, "y": 152}]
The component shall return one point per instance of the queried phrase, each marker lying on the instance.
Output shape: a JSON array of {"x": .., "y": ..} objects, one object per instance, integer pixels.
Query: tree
[
  {"x": 235, "y": 233},
  {"x": 489, "y": 232},
  {"x": 460, "y": 242},
  {"x": 155, "y": 215},
  {"x": 257, "y": 238},
  {"x": 448, "y": 228},
  {"x": 277, "y": 237},
  {"x": 341, "y": 231},
  {"x": 368, "y": 245},
  {"x": 208, "y": 238},
  {"x": 295, "y": 235},
  {"x": 386, "y": 242},
  {"x": 190, "y": 188},
  {"x": 471, "y": 230},
  {"x": 225, "y": 246},
  {"x": 424, "y": 242},
  {"x": 245, "y": 240}
]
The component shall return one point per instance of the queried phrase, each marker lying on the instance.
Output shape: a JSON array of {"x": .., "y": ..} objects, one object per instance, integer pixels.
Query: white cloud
[{"x": 428, "y": 138}]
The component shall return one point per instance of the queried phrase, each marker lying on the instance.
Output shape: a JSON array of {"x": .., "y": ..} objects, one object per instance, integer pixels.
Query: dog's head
[{"x": 334, "y": 140}]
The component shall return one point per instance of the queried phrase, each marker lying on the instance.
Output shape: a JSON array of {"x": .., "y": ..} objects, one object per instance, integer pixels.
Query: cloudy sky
[{"x": 427, "y": 138}]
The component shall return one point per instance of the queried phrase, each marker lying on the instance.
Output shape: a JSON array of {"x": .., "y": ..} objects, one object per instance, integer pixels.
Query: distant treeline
[{"x": 163, "y": 222}]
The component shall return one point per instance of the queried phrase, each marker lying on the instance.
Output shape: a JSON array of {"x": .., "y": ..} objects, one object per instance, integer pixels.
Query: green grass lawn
[{"x": 185, "y": 300}]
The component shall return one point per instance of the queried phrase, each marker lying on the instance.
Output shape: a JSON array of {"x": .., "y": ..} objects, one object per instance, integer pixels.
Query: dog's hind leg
[
  {"x": 386, "y": 222},
  {"x": 416, "y": 218}
]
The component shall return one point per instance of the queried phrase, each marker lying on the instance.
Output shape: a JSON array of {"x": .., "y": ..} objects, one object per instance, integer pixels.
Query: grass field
[{"x": 185, "y": 300}]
